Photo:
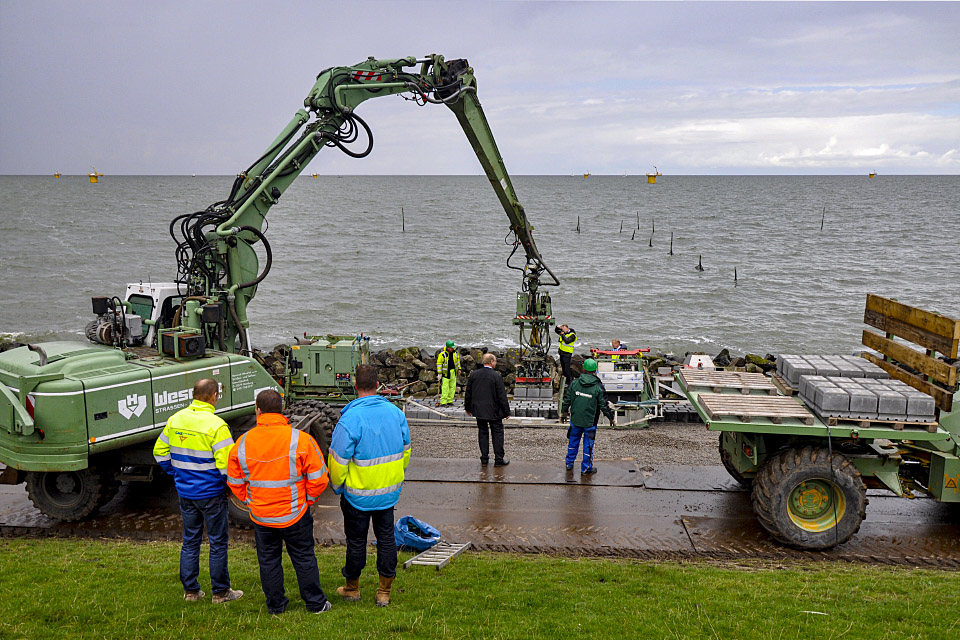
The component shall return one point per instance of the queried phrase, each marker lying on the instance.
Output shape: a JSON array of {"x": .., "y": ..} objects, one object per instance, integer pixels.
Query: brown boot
[
  {"x": 383, "y": 591},
  {"x": 350, "y": 592}
]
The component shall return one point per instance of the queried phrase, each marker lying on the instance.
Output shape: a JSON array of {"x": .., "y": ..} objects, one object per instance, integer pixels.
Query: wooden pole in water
[
  {"x": 621, "y": 226},
  {"x": 651, "y": 242},
  {"x": 578, "y": 224},
  {"x": 822, "y": 218},
  {"x": 734, "y": 275},
  {"x": 403, "y": 222},
  {"x": 653, "y": 228},
  {"x": 638, "y": 219},
  {"x": 671, "y": 243},
  {"x": 634, "y": 234}
]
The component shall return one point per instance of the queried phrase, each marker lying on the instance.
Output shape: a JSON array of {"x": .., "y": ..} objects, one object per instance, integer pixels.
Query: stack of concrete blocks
[
  {"x": 533, "y": 402},
  {"x": 792, "y": 367},
  {"x": 865, "y": 399},
  {"x": 421, "y": 411}
]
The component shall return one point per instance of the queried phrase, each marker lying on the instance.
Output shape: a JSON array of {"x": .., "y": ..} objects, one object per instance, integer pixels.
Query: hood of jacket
[{"x": 366, "y": 401}]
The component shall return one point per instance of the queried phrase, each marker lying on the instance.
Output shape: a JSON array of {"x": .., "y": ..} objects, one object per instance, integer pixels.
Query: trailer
[{"x": 809, "y": 459}]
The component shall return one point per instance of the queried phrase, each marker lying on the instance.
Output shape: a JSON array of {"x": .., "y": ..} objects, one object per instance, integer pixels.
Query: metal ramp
[{"x": 439, "y": 555}]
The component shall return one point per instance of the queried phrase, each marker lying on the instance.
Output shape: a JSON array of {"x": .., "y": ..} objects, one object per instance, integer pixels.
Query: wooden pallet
[
  {"x": 720, "y": 380},
  {"x": 781, "y": 383},
  {"x": 439, "y": 555},
  {"x": 745, "y": 408},
  {"x": 896, "y": 425}
]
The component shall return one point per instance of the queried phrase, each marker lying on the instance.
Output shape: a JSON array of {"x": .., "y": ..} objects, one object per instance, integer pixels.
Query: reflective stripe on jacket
[
  {"x": 369, "y": 453},
  {"x": 567, "y": 340},
  {"x": 277, "y": 471},
  {"x": 193, "y": 448},
  {"x": 444, "y": 364}
]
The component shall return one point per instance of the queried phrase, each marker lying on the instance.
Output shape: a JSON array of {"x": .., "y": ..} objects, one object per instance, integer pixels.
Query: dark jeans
[
  {"x": 213, "y": 512},
  {"x": 565, "y": 366},
  {"x": 486, "y": 428},
  {"x": 356, "y": 524},
  {"x": 299, "y": 539}
]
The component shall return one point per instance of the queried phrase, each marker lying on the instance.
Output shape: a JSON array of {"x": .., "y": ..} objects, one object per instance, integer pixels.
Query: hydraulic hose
[
  {"x": 241, "y": 331},
  {"x": 266, "y": 247}
]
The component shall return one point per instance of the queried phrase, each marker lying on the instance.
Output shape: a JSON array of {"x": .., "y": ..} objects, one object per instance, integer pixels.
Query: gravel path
[{"x": 663, "y": 443}]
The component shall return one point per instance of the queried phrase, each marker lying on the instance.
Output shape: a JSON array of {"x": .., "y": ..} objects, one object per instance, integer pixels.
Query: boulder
[
  {"x": 763, "y": 363},
  {"x": 387, "y": 375},
  {"x": 770, "y": 357},
  {"x": 468, "y": 364},
  {"x": 738, "y": 362},
  {"x": 752, "y": 368},
  {"x": 722, "y": 359},
  {"x": 427, "y": 376},
  {"x": 433, "y": 389},
  {"x": 477, "y": 355},
  {"x": 418, "y": 387},
  {"x": 407, "y": 370},
  {"x": 420, "y": 364},
  {"x": 425, "y": 355}
]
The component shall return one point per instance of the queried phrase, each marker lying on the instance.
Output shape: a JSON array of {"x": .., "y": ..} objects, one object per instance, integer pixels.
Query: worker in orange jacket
[{"x": 278, "y": 472}]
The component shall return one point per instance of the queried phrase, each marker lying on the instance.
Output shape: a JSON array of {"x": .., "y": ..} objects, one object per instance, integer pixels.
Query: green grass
[{"x": 117, "y": 589}]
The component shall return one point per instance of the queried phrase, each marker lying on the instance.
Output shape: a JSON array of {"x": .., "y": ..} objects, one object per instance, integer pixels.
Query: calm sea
[{"x": 342, "y": 264}]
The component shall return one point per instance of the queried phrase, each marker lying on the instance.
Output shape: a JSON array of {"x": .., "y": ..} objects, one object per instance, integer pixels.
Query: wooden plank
[
  {"x": 783, "y": 385},
  {"x": 936, "y": 369},
  {"x": 929, "y": 330},
  {"x": 746, "y": 408},
  {"x": 943, "y": 399}
]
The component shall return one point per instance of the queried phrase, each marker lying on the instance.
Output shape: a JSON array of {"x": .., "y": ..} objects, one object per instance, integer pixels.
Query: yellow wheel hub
[{"x": 816, "y": 505}]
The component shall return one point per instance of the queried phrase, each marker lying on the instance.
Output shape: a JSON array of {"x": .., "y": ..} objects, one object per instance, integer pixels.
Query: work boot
[
  {"x": 501, "y": 463},
  {"x": 227, "y": 596},
  {"x": 193, "y": 596},
  {"x": 350, "y": 592},
  {"x": 383, "y": 591}
]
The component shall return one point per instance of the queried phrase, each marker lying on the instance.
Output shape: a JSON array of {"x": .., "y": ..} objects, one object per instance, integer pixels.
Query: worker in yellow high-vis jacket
[{"x": 448, "y": 368}]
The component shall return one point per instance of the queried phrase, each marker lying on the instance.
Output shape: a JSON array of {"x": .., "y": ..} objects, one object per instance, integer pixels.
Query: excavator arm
[{"x": 218, "y": 264}]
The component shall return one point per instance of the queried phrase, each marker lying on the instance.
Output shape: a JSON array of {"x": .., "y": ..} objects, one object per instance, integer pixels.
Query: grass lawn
[{"x": 117, "y": 589}]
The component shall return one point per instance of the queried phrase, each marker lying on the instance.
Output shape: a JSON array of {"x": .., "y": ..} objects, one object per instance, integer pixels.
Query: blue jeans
[
  {"x": 196, "y": 513},
  {"x": 589, "y": 434}
]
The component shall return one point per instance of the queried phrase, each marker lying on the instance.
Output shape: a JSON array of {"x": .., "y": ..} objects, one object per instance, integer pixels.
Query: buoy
[
  {"x": 57, "y": 175},
  {"x": 873, "y": 174},
  {"x": 94, "y": 177},
  {"x": 314, "y": 176},
  {"x": 652, "y": 177},
  {"x": 586, "y": 175}
]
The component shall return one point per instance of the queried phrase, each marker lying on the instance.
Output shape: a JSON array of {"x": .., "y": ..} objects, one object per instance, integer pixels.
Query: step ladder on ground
[{"x": 439, "y": 555}]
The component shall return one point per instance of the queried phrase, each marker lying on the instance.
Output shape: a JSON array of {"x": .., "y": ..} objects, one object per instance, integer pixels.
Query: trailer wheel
[
  {"x": 71, "y": 495},
  {"x": 728, "y": 465},
  {"x": 238, "y": 512},
  {"x": 802, "y": 503}
]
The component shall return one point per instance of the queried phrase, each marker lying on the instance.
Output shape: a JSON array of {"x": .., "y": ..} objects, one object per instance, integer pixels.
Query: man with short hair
[
  {"x": 368, "y": 456},
  {"x": 585, "y": 400},
  {"x": 193, "y": 448},
  {"x": 278, "y": 472},
  {"x": 486, "y": 399},
  {"x": 448, "y": 368}
]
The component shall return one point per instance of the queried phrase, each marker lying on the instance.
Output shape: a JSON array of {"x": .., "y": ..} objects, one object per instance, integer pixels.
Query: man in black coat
[{"x": 486, "y": 399}]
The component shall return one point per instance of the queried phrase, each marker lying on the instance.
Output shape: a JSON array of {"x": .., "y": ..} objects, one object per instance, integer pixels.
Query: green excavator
[{"x": 78, "y": 419}]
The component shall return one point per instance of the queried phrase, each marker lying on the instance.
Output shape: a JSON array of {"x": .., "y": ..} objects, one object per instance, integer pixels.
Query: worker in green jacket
[
  {"x": 448, "y": 367},
  {"x": 584, "y": 401}
]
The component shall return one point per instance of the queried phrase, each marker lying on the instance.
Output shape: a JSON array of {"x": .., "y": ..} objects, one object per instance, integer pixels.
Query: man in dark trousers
[
  {"x": 584, "y": 401},
  {"x": 486, "y": 399},
  {"x": 568, "y": 339}
]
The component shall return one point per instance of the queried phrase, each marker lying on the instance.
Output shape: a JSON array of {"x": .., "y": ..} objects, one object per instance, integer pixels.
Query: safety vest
[
  {"x": 567, "y": 340},
  {"x": 369, "y": 453},
  {"x": 444, "y": 365},
  {"x": 193, "y": 448},
  {"x": 277, "y": 471}
]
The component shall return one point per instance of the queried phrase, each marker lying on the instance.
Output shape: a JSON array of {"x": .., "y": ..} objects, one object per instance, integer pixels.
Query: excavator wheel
[
  {"x": 807, "y": 499},
  {"x": 728, "y": 465},
  {"x": 71, "y": 495},
  {"x": 312, "y": 416}
]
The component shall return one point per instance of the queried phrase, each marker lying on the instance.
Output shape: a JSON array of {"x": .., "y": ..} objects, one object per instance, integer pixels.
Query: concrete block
[
  {"x": 797, "y": 368},
  {"x": 832, "y": 400},
  {"x": 826, "y": 369},
  {"x": 848, "y": 369},
  {"x": 891, "y": 405},
  {"x": 871, "y": 370},
  {"x": 520, "y": 392},
  {"x": 808, "y": 383},
  {"x": 920, "y": 406},
  {"x": 863, "y": 404}
]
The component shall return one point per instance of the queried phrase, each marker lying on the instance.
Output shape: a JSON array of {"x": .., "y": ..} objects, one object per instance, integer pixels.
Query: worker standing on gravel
[
  {"x": 193, "y": 448},
  {"x": 278, "y": 472},
  {"x": 584, "y": 401},
  {"x": 368, "y": 456},
  {"x": 448, "y": 368},
  {"x": 568, "y": 339}
]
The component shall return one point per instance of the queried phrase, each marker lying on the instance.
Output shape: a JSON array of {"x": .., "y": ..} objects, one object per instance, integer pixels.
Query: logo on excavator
[
  {"x": 132, "y": 405},
  {"x": 376, "y": 76}
]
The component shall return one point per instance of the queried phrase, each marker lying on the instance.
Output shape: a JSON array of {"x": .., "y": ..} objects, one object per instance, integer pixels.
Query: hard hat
[
  {"x": 589, "y": 364},
  {"x": 450, "y": 344}
]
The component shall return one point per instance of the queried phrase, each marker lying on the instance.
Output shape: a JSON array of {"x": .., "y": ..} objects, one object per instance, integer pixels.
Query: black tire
[
  {"x": 69, "y": 496},
  {"x": 803, "y": 503},
  {"x": 238, "y": 512},
  {"x": 316, "y": 418},
  {"x": 728, "y": 465}
]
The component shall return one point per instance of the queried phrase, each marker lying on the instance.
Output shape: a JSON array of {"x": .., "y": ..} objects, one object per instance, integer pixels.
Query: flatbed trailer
[{"x": 809, "y": 474}]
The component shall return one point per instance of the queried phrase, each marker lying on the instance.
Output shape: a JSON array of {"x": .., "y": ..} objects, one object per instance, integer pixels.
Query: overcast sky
[{"x": 693, "y": 88}]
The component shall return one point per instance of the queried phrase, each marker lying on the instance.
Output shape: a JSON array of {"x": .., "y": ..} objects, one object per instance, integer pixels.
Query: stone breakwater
[{"x": 414, "y": 369}]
